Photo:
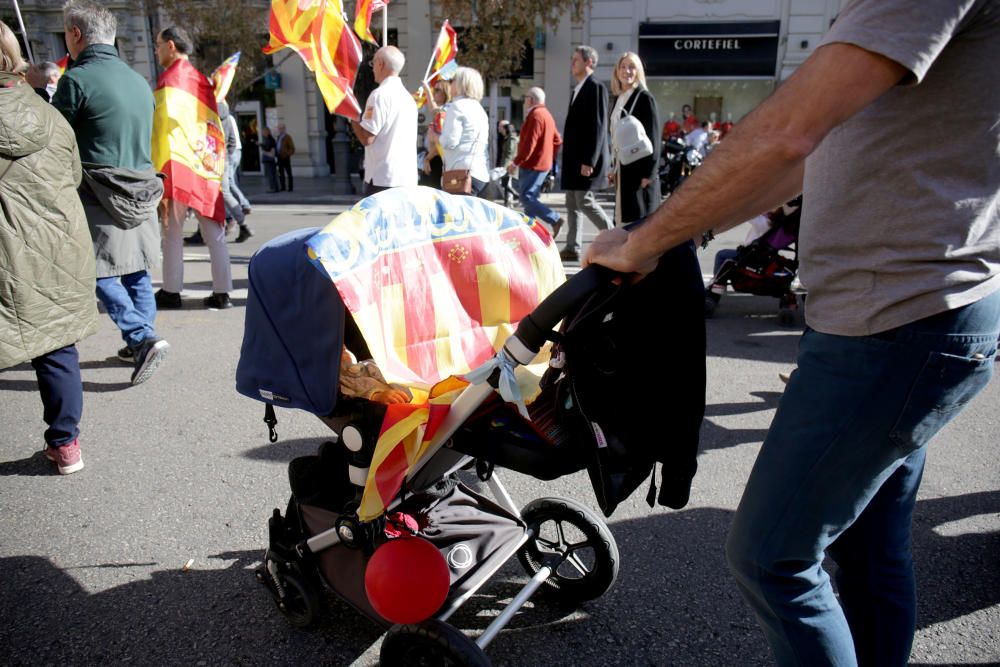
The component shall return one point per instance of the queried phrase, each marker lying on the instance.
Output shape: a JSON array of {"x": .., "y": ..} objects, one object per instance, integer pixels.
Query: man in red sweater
[{"x": 535, "y": 155}]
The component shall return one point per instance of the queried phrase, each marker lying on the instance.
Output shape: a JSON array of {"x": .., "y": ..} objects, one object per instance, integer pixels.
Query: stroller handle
[{"x": 535, "y": 328}]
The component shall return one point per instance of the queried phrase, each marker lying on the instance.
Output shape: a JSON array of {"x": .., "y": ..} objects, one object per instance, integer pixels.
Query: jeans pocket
[{"x": 945, "y": 384}]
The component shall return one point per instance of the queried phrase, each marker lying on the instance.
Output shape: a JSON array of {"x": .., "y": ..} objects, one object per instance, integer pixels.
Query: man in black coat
[{"x": 585, "y": 151}]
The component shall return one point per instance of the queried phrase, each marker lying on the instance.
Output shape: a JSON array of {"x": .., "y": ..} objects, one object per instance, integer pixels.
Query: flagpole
[
  {"x": 385, "y": 24},
  {"x": 24, "y": 33}
]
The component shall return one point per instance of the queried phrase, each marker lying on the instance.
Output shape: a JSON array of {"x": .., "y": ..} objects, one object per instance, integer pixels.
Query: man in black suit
[{"x": 585, "y": 151}]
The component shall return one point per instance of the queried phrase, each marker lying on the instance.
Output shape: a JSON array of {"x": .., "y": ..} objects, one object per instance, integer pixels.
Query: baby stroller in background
[
  {"x": 320, "y": 542},
  {"x": 764, "y": 267}
]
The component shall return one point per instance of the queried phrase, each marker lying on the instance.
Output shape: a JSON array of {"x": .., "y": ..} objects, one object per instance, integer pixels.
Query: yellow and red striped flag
[
  {"x": 62, "y": 64},
  {"x": 436, "y": 283},
  {"x": 317, "y": 30},
  {"x": 222, "y": 77},
  {"x": 443, "y": 64},
  {"x": 188, "y": 144},
  {"x": 363, "y": 18},
  {"x": 407, "y": 430}
]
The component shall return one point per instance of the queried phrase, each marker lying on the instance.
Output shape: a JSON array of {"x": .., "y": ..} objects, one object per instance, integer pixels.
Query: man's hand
[
  {"x": 644, "y": 183},
  {"x": 586, "y": 170},
  {"x": 511, "y": 168},
  {"x": 611, "y": 178},
  {"x": 611, "y": 249}
]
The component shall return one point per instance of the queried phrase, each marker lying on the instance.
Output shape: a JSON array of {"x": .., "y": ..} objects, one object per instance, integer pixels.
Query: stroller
[
  {"x": 320, "y": 541},
  {"x": 765, "y": 267}
]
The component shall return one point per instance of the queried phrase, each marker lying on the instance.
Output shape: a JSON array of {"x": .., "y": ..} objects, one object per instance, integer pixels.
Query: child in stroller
[
  {"x": 762, "y": 266},
  {"x": 327, "y": 536}
]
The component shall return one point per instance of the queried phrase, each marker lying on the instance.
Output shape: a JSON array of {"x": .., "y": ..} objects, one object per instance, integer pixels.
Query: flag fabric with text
[
  {"x": 222, "y": 77},
  {"x": 436, "y": 284},
  {"x": 317, "y": 30},
  {"x": 363, "y": 18},
  {"x": 189, "y": 147}
]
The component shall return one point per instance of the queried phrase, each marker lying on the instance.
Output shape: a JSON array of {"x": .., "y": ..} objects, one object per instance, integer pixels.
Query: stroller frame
[{"x": 438, "y": 461}]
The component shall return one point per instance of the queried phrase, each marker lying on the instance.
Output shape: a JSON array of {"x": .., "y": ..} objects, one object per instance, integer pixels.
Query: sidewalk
[{"x": 319, "y": 190}]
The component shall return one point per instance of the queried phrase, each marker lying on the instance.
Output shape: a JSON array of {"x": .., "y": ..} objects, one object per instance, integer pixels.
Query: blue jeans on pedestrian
[
  {"x": 131, "y": 305},
  {"x": 61, "y": 388},
  {"x": 530, "y": 183},
  {"x": 839, "y": 470}
]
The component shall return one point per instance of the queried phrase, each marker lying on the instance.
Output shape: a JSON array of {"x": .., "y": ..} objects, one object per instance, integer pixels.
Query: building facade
[{"x": 723, "y": 57}]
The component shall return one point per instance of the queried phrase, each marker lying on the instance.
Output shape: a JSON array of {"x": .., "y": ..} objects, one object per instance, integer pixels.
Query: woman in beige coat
[{"x": 46, "y": 254}]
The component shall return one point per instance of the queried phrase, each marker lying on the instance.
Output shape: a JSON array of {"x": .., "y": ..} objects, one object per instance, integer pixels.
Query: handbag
[
  {"x": 631, "y": 139},
  {"x": 457, "y": 181}
]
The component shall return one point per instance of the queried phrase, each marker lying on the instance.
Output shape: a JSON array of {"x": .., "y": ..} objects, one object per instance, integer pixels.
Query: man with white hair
[
  {"x": 536, "y": 152},
  {"x": 388, "y": 127},
  {"x": 110, "y": 107}
]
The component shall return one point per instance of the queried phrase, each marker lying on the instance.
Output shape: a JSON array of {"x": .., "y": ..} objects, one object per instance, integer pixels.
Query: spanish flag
[
  {"x": 443, "y": 63},
  {"x": 363, "y": 18},
  {"x": 188, "y": 144},
  {"x": 222, "y": 77},
  {"x": 62, "y": 64},
  {"x": 317, "y": 30}
]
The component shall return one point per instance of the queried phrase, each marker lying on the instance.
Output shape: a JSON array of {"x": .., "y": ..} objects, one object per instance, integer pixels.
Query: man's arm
[
  {"x": 760, "y": 163},
  {"x": 364, "y": 136}
]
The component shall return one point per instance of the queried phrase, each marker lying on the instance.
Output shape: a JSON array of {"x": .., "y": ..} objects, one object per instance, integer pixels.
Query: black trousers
[
  {"x": 284, "y": 169},
  {"x": 58, "y": 374}
]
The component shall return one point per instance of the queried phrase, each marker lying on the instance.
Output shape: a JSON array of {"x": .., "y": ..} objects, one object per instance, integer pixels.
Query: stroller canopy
[{"x": 294, "y": 329}]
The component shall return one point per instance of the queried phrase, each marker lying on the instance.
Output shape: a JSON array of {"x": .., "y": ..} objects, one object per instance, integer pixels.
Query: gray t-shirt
[{"x": 900, "y": 217}]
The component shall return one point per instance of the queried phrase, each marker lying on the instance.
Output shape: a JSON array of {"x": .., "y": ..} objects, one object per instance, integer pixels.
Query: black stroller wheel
[
  {"x": 301, "y": 604},
  {"x": 432, "y": 643},
  {"x": 583, "y": 548}
]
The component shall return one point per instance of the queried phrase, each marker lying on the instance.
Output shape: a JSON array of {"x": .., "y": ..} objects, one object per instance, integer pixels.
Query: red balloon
[{"x": 407, "y": 580}]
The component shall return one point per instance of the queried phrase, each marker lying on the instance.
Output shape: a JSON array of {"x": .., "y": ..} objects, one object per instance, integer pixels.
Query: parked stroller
[
  {"x": 765, "y": 267},
  {"x": 289, "y": 357}
]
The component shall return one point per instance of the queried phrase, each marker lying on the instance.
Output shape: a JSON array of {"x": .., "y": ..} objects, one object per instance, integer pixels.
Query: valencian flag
[
  {"x": 222, "y": 77},
  {"x": 443, "y": 63},
  {"x": 436, "y": 284},
  {"x": 363, "y": 18},
  {"x": 317, "y": 30},
  {"x": 188, "y": 143}
]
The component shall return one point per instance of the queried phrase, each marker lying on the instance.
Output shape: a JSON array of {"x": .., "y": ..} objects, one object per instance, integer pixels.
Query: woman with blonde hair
[
  {"x": 637, "y": 188},
  {"x": 465, "y": 135},
  {"x": 47, "y": 276}
]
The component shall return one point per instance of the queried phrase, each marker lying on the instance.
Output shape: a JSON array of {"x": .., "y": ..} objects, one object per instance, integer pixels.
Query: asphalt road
[{"x": 91, "y": 565}]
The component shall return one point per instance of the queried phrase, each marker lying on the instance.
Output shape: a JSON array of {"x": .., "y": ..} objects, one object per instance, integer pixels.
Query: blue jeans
[
  {"x": 839, "y": 470},
  {"x": 529, "y": 186},
  {"x": 131, "y": 305},
  {"x": 61, "y": 388}
]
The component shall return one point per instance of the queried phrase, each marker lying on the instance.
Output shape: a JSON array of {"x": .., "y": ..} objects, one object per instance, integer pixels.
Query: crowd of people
[{"x": 900, "y": 250}]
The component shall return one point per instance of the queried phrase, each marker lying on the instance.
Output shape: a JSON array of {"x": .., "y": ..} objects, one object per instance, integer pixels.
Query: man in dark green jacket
[{"x": 110, "y": 108}]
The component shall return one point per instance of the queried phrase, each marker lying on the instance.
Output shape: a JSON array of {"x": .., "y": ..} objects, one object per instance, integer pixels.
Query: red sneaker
[{"x": 67, "y": 458}]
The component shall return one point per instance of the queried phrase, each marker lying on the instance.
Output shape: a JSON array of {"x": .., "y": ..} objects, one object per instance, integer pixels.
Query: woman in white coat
[{"x": 465, "y": 136}]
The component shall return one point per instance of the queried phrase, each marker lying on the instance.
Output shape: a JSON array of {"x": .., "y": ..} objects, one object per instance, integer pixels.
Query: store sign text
[{"x": 706, "y": 44}]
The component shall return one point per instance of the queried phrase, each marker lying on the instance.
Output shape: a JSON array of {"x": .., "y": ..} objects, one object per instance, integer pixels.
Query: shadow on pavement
[
  {"x": 674, "y": 603},
  {"x": 88, "y": 386}
]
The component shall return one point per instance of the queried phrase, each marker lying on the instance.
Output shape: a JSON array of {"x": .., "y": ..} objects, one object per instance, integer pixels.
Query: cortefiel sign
[{"x": 709, "y": 49}]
